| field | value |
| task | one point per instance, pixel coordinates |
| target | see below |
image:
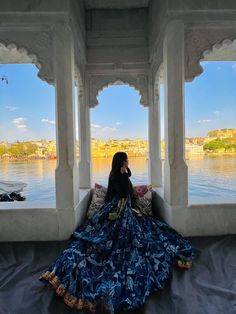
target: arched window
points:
(119, 124)
(211, 129)
(27, 137)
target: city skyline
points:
(222, 133)
(27, 106)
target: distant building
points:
(222, 133)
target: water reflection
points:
(38, 174)
(211, 178)
(101, 168)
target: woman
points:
(118, 255)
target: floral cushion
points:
(143, 199)
(98, 199)
(141, 190)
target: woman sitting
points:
(119, 255)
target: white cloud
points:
(11, 108)
(108, 129)
(96, 126)
(20, 123)
(204, 121)
(118, 123)
(217, 113)
(102, 131)
(48, 121)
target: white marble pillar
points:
(175, 170)
(66, 173)
(84, 145)
(155, 167)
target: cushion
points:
(143, 199)
(98, 199)
(141, 190)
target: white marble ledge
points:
(216, 207)
(40, 220)
(202, 202)
(216, 200)
(83, 193)
(27, 205)
(18, 205)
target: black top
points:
(119, 185)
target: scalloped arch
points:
(139, 83)
(23, 51)
(120, 82)
(200, 43)
(216, 46)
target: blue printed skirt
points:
(116, 259)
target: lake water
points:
(212, 179)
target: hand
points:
(123, 170)
(137, 211)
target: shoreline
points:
(191, 156)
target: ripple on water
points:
(210, 179)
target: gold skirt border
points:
(69, 300)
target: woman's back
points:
(119, 185)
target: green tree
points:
(29, 148)
(15, 150)
(214, 145)
(3, 149)
(22, 150)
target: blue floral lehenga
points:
(116, 258)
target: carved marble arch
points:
(98, 83)
(208, 44)
(11, 53)
(29, 47)
(224, 51)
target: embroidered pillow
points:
(144, 199)
(98, 199)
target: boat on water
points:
(7, 187)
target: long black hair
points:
(117, 162)
(118, 183)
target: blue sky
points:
(210, 100)
(119, 114)
(27, 105)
